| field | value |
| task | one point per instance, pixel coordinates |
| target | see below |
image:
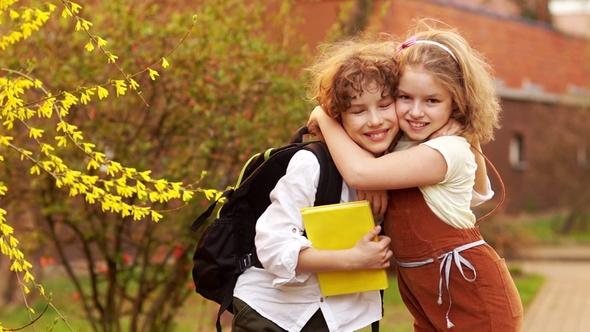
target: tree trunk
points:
(359, 17)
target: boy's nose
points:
(375, 119)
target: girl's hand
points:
(377, 198)
(316, 115)
(370, 255)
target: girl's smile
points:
(423, 105)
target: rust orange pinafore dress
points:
(477, 293)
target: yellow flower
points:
(89, 46)
(120, 87)
(35, 133)
(14, 14)
(102, 92)
(100, 42)
(153, 74)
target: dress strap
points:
(445, 266)
(415, 264)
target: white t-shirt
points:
(278, 292)
(451, 199)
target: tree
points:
(537, 10)
(358, 19)
(121, 130)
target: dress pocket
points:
(510, 289)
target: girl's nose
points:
(416, 111)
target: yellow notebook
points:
(340, 226)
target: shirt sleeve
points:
(461, 165)
(478, 199)
(451, 198)
(279, 230)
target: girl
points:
(435, 239)
(356, 80)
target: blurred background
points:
(235, 86)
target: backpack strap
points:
(227, 301)
(205, 215)
(375, 326)
(330, 182)
(298, 135)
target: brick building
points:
(543, 79)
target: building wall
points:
(553, 170)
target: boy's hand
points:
(371, 255)
(377, 198)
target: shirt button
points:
(321, 299)
(294, 230)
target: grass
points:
(547, 230)
(197, 312)
(64, 299)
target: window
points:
(582, 156)
(515, 152)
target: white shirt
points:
(278, 292)
(451, 199)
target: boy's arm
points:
(365, 255)
(279, 231)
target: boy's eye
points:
(386, 105)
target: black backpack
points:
(226, 248)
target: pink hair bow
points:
(406, 44)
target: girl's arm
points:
(377, 198)
(482, 188)
(418, 166)
(481, 176)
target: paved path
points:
(563, 303)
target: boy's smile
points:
(371, 121)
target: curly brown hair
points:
(351, 66)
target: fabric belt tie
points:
(446, 262)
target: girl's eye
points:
(432, 101)
(403, 97)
